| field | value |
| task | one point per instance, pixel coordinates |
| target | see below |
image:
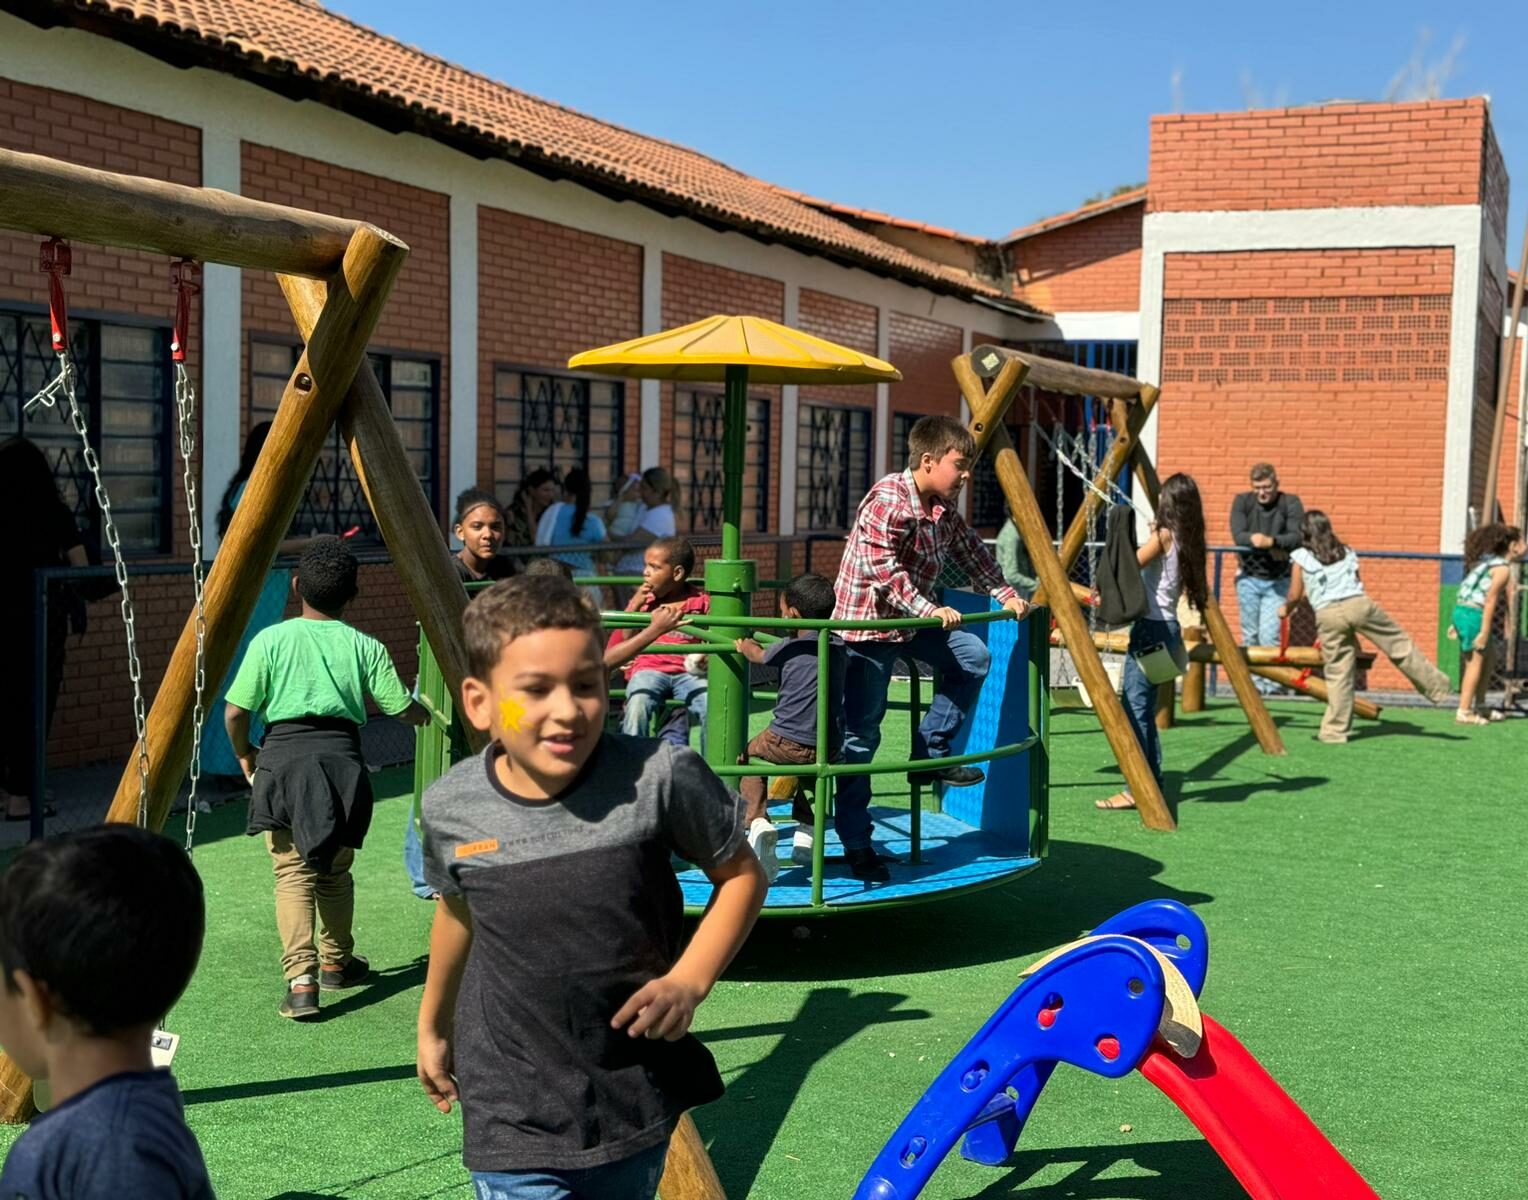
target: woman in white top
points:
(1327, 570)
(658, 492)
(1172, 562)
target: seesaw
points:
(1123, 999)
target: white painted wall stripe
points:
(650, 435)
(463, 400)
(789, 418)
(222, 337)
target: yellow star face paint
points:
(511, 713)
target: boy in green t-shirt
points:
(310, 793)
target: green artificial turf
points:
(1360, 903)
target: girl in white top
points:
(1327, 570)
(659, 493)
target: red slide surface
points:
(1274, 1149)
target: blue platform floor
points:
(955, 857)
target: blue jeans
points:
(1259, 600)
(646, 693)
(413, 859)
(634, 1178)
(960, 659)
(1141, 693)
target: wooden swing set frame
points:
(1130, 403)
(336, 275)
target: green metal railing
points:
(442, 742)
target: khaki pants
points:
(300, 893)
(1339, 625)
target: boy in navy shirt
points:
(792, 736)
(99, 933)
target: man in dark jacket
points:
(1265, 525)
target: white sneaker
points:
(801, 847)
(765, 840)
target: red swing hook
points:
(184, 274)
(55, 262)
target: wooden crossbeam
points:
(1053, 375)
(58, 199)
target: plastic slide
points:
(1271, 1146)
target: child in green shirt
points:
(311, 797)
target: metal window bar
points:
(697, 445)
(833, 464)
(551, 420)
(125, 393)
(335, 501)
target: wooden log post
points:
(408, 527)
(987, 408)
(308, 408)
(1312, 686)
(1167, 695)
(688, 1173)
(1194, 678)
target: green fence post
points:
(1039, 726)
(730, 581)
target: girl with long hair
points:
(1326, 570)
(479, 526)
(1172, 563)
(218, 757)
(522, 514)
(1488, 554)
(569, 522)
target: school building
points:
(1318, 287)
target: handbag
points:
(1162, 662)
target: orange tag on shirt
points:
(486, 846)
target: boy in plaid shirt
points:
(905, 528)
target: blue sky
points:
(977, 116)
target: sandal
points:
(1118, 802)
(1469, 718)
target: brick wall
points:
(545, 293)
(95, 705)
(922, 349)
(418, 314)
(1088, 266)
(694, 290)
(1321, 157)
(1334, 366)
(1494, 296)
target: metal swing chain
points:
(64, 385)
(182, 275)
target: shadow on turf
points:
(1163, 1171)
(1078, 886)
(760, 1096)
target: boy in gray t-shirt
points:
(558, 1002)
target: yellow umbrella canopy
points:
(702, 352)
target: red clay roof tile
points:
(265, 39)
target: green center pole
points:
(730, 581)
